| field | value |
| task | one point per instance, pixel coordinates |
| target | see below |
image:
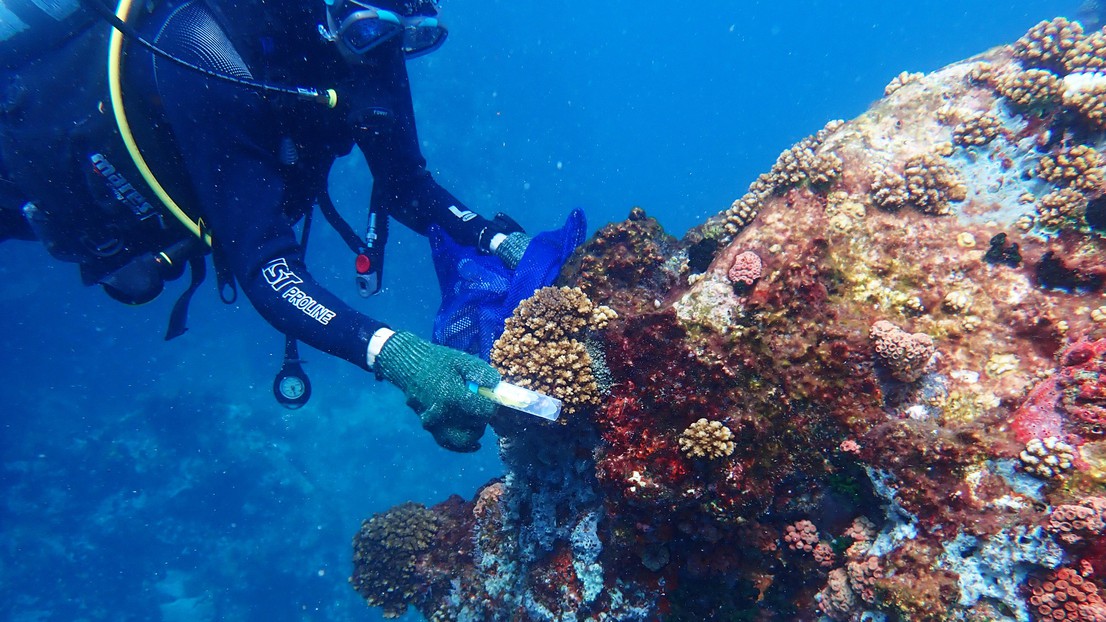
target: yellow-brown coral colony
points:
(1048, 43)
(931, 184)
(888, 189)
(1061, 209)
(385, 552)
(741, 213)
(900, 81)
(707, 439)
(1047, 458)
(1032, 87)
(805, 162)
(976, 130)
(1079, 167)
(1088, 98)
(1087, 54)
(542, 346)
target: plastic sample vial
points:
(521, 399)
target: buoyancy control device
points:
(30, 28)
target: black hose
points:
(325, 98)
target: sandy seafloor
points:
(145, 480)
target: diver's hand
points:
(510, 248)
(434, 379)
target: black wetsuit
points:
(256, 164)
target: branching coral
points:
(1082, 522)
(740, 214)
(825, 169)
(1079, 167)
(1030, 88)
(1086, 94)
(978, 129)
(1066, 595)
(1047, 43)
(900, 81)
(931, 184)
(888, 189)
(794, 166)
(1061, 209)
(1048, 459)
(982, 73)
(542, 349)
(906, 355)
(957, 301)
(802, 162)
(1087, 54)
(707, 439)
(386, 550)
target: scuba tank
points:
(30, 28)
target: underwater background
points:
(145, 480)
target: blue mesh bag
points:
(479, 293)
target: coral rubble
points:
(873, 388)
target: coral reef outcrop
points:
(915, 363)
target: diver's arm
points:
(401, 182)
(224, 135)
(258, 242)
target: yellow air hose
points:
(115, 55)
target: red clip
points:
(362, 264)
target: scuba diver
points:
(205, 142)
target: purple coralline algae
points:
(854, 426)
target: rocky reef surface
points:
(872, 389)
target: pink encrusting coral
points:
(907, 355)
(899, 332)
(747, 267)
(824, 555)
(1081, 522)
(1066, 595)
(801, 536)
(1070, 404)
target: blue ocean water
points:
(145, 480)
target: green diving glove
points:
(511, 248)
(434, 379)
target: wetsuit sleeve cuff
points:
(376, 342)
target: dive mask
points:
(360, 27)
